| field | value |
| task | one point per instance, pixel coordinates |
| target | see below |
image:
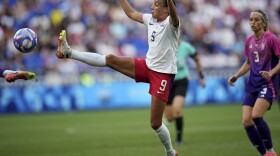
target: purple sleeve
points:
(275, 45)
(246, 49)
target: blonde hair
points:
(264, 18)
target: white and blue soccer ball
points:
(25, 40)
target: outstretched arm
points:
(130, 12)
(174, 19)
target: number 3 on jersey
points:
(257, 58)
(263, 92)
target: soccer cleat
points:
(179, 143)
(63, 49)
(19, 75)
(171, 153)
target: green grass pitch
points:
(213, 130)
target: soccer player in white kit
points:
(159, 67)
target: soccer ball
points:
(25, 40)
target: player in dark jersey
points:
(176, 99)
(11, 75)
(262, 50)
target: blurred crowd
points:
(217, 28)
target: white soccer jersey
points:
(163, 39)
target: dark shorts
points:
(266, 93)
(160, 83)
(179, 87)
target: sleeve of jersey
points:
(246, 49)
(172, 26)
(191, 50)
(275, 45)
(146, 19)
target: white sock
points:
(8, 72)
(89, 58)
(270, 150)
(164, 137)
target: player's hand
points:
(231, 80)
(266, 75)
(202, 83)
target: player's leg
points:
(11, 75)
(168, 113)
(168, 116)
(157, 110)
(251, 130)
(261, 106)
(124, 65)
(160, 85)
(177, 108)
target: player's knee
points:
(177, 113)
(169, 118)
(247, 122)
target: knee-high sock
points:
(93, 59)
(179, 128)
(255, 138)
(264, 131)
(164, 137)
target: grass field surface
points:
(213, 130)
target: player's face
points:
(256, 22)
(158, 9)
